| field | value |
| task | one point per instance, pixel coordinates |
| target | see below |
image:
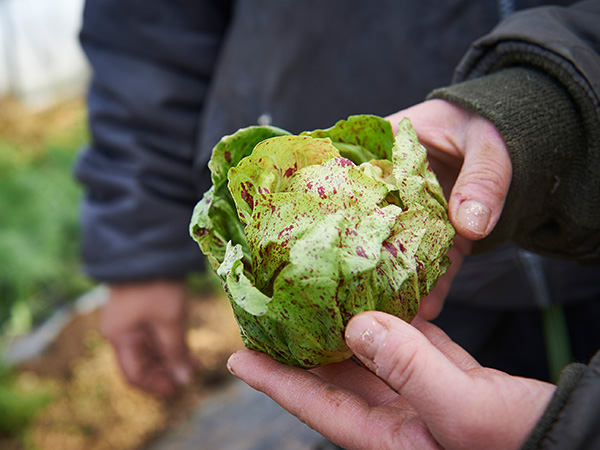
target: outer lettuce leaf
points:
(271, 167)
(312, 230)
(215, 220)
(360, 138)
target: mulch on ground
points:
(93, 407)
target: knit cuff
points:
(569, 378)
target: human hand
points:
(419, 390)
(145, 323)
(472, 164)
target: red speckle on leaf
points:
(285, 230)
(247, 197)
(321, 191)
(199, 232)
(361, 252)
(344, 162)
(390, 248)
(290, 171)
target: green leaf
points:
(364, 137)
(271, 166)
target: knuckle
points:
(487, 178)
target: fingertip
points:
(430, 309)
(232, 362)
(367, 334)
(362, 321)
(246, 362)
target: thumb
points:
(480, 190)
(409, 363)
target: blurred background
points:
(60, 387)
(42, 124)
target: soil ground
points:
(93, 407)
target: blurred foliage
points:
(19, 403)
(39, 208)
(73, 395)
(205, 283)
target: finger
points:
(313, 400)
(452, 134)
(478, 196)
(140, 365)
(336, 413)
(431, 305)
(170, 337)
(403, 357)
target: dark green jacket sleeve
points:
(572, 419)
(537, 78)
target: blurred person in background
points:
(171, 77)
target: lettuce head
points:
(305, 231)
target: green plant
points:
(18, 406)
(40, 228)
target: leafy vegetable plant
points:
(306, 231)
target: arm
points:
(537, 79)
(420, 390)
(572, 419)
(529, 90)
(151, 64)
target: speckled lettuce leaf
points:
(361, 138)
(215, 219)
(313, 229)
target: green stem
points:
(558, 345)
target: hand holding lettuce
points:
(307, 231)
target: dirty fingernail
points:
(473, 216)
(364, 336)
